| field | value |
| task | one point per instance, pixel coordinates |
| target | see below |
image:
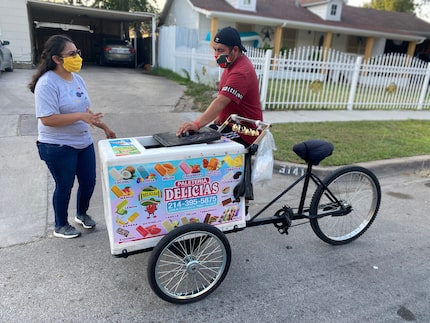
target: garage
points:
(88, 27)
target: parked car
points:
(6, 59)
(117, 51)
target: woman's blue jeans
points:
(65, 163)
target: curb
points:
(380, 167)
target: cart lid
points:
(204, 135)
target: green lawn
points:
(356, 141)
(283, 95)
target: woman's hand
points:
(93, 119)
(109, 133)
(100, 124)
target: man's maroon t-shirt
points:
(239, 83)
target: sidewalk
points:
(342, 115)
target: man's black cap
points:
(230, 37)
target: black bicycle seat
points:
(313, 151)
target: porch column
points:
(328, 38)
(411, 48)
(370, 42)
(277, 45)
(277, 40)
(214, 29)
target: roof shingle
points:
(352, 17)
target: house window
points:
(355, 45)
(333, 10)
(289, 38)
(244, 27)
(246, 2)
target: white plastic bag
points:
(262, 169)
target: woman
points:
(64, 139)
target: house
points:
(27, 24)
(283, 24)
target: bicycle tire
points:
(360, 193)
(189, 263)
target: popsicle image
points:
(168, 225)
(232, 213)
(228, 176)
(116, 175)
(185, 167)
(229, 160)
(120, 207)
(142, 171)
(122, 204)
(160, 169)
(120, 220)
(207, 217)
(133, 217)
(117, 191)
(123, 232)
(142, 231)
(170, 169)
(238, 161)
(213, 164)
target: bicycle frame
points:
(282, 218)
(284, 222)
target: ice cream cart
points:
(150, 189)
(177, 196)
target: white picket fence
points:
(314, 78)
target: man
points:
(238, 91)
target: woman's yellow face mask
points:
(72, 63)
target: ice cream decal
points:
(151, 199)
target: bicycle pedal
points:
(285, 216)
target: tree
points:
(392, 5)
(126, 5)
(122, 5)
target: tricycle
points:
(191, 259)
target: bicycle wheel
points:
(189, 263)
(344, 210)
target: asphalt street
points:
(384, 276)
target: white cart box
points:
(149, 190)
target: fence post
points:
(424, 88)
(265, 83)
(193, 65)
(354, 82)
(172, 43)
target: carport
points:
(87, 27)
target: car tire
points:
(10, 69)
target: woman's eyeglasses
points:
(73, 53)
